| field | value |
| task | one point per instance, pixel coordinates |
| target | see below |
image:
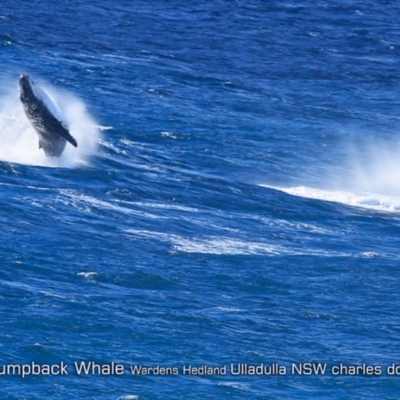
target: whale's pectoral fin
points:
(63, 132)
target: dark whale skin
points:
(53, 136)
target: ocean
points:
(227, 227)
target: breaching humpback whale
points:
(53, 135)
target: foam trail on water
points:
(19, 141)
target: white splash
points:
(376, 168)
(19, 141)
(367, 177)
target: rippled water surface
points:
(233, 202)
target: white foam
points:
(235, 385)
(112, 147)
(168, 134)
(356, 199)
(230, 309)
(87, 275)
(274, 222)
(89, 204)
(166, 206)
(220, 245)
(50, 294)
(129, 397)
(19, 141)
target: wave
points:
(373, 201)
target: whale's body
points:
(53, 135)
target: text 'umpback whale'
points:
(53, 135)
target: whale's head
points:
(25, 87)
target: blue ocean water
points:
(234, 200)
